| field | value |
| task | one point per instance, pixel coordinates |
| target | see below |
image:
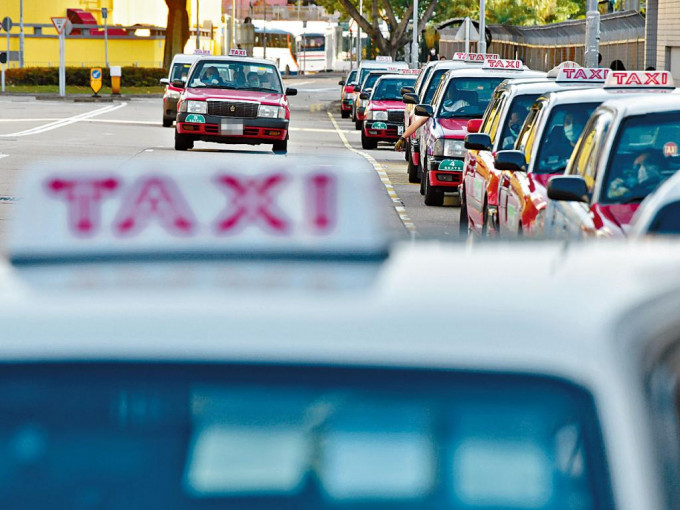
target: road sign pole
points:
(106, 42)
(21, 33)
(592, 42)
(467, 35)
(62, 64)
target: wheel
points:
(485, 219)
(432, 197)
(183, 142)
(167, 122)
(412, 171)
(358, 124)
(354, 114)
(281, 146)
(463, 227)
(420, 170)
(367, 143)
(344, 114)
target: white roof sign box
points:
(295, 206)
(383, 58)
(640, 79)
(235, 52)
(503, 64)
(474, 57)
(582, 75)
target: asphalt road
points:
(33, 131)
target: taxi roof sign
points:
(582, 75)
(383, 58)
(503, 64)
(474, 57)
(640, 80)
(237, 52)
(409, 71)
(199, 51)
(567, 64)
(102, 211)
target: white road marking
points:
(28, 120)
(384, 178)
(65, 122)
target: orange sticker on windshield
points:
(670, 149)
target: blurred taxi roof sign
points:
(640, 80)
(199, 51)
(503, 64)
(293, 207)
(474, 57)
(383, 58)
(567, 64)
(582, 75)
(236, 52)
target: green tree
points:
(177, 31)
(508, 12)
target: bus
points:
(312, 53)
(280, 49)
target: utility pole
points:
(361, 12)
(198, 29)
(105, 15)
(21, 33)
(592, 43)
(414, 42)
(264, 33)
(233, 24)
(481, 45)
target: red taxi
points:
(628, 148)
(385, 109)
(501, 127)
(463, 94)
(347, 85)
(233, 100)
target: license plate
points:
(400, 130)
(231, 127)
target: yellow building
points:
(142, 47)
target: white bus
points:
(280, 48)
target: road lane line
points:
(64, 122)
(384, 178)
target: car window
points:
(644, 154)
(422, 78)
(370, 80)
(279, 436)
(586, 154)
(389, 89)
(667, 220)
(351, 78)
(236, 75)
(492, 111)
(517, 113)
(434, 83)
(467, 97)
(179, 72)
(527, 135)
(561, 132)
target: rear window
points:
(119, 436)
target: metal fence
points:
(542, 47)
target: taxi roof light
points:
(504, 64)
(567, 64)
(640, 80)
(300, 206)
(581, 75)
(474, 57)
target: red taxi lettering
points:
(154, 198)
(322, 188)
(83, 198)
(252, 202)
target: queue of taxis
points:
(235, 100)
(384, 108)
(462, 95)
(498, 131)
(424, 92)
(628, 148)
(382, 63)
(178, 342)
(347, 87)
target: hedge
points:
(131, 76)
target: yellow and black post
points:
(96, 80)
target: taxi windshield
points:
(352, 77)
(519, 109)
(561, 132)
(179, 72)
(370, 80)
(433, 84)
(390, 89)
(236, 75)
(199, 436)
(644, 155)
(467, 97)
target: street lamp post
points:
(21, 33)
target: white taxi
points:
(232, 338)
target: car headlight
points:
(454, 148)
(196, 106)
(379, 115)
(173, 94)
(270, 112)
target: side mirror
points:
(363, 95)
(341, 82)
(474, 125)
(407, 90)
(571, 188)
(165, 81)
(423, 110)
(291, 92)
(180, 84)
(478, 142)
(410, 98)
(514, 161)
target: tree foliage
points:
(177, 31)
(513, 12)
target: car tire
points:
(354, 114)
(167, 122)
(420, 171)
(367, 143)
(358, 124)
(280, 147)
(344, 114)
(183, 142)
(412, 171)
(432, 197)
(463, 225)
(485, 219)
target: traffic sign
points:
(59, 24)
(7, 24)
(105, 13)
(96, 79)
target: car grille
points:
(232, 109)
(395, 115)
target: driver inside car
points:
(457, 100)
(642, 179)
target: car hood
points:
(618, 214)
(235, 95)
(387, 105)
(453, 128)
